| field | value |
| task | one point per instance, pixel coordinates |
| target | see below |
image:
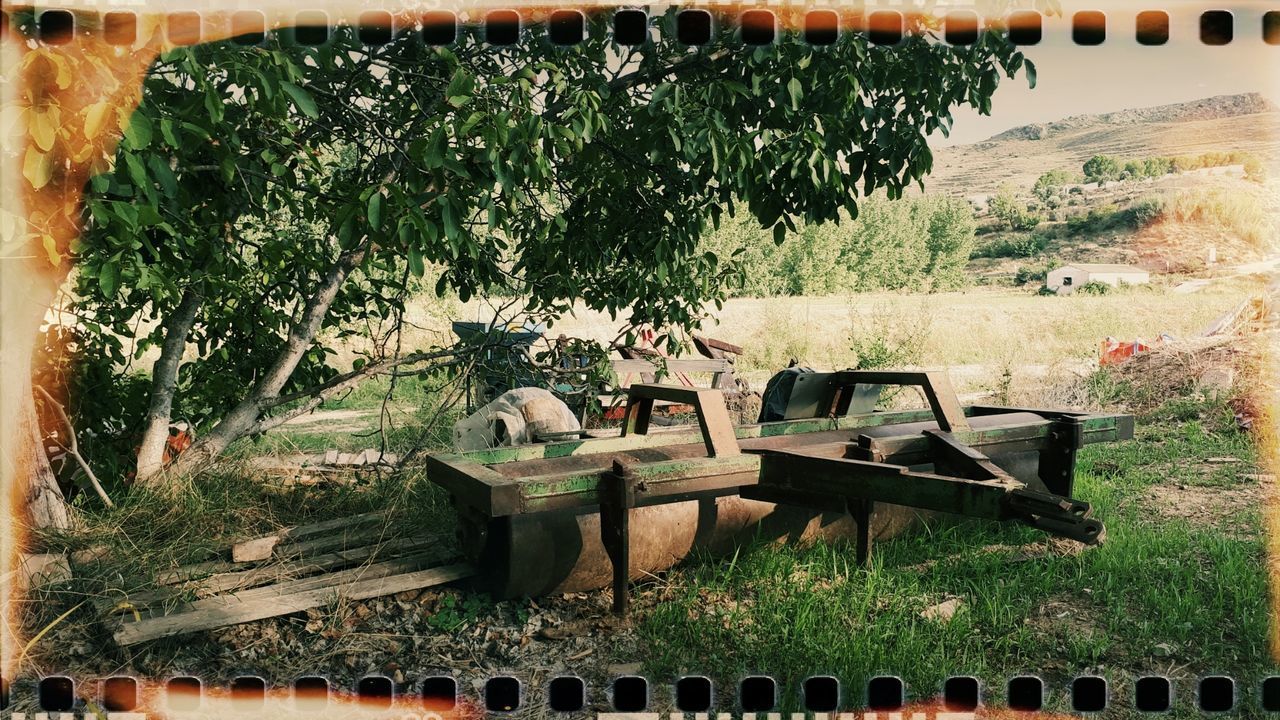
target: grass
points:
(1162, 595)
(973, 327)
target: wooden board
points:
(267, 574)
(272, 601)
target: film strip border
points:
(634, 26)
(756, 694)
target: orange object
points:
(1115, 352)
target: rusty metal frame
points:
(844, 469)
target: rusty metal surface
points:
(562, 552)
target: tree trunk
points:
(243, 418)
(46, 504)
(164, 381)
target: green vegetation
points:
(1013, 246)
(915, 243)
(1171, 584)
(534, 173)
(1103, 168)
(1011, 212)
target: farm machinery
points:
(603, 508)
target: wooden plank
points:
(274, 573)
(674, 366)
(254, 550)
(343, 539)
(232, 610)
(719, 344)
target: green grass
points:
(1194, 589)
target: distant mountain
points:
(1212, 108)
(1248, 123)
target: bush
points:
(1093, 287)
(1254, 170)
(1023, 246)
(1147, 210)
(1012, 212)
(884, 341)
(1099, 219)
(919, 243)
(1034, 273)
(1101, 168)
(1048, 186)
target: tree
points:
(1049, 186)
(1101, 168)
(1011, 211)
(265, 195)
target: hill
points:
(1247, 122)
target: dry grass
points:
(980, 335)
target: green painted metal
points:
(471, 479)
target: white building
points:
(1067, 278)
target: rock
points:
(1216, 381)
(942, 611)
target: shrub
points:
(1101, 168)
(1099, 219)
(1147, 210)
(1254, 170)
(882, 340)
(1034, 273)
(1049, 186)
(1022, 246)
(918, 243)
(1012, 212)
(1093, 287)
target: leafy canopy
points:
(550, 173)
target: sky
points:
(1121, 74)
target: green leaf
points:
(795, 91)
(139, 131)
(108, 276)
(416, 265)
(779, 233)
(166, 131)
(301, 98)
(375, 211)
(661, 92)
(1031, 74)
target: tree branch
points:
(74, 449)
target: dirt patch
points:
(1209, 505)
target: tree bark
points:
(243, 418)
(164, 381)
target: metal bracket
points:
(617, 497)
(935, 384)
(713, 418)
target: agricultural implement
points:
(586, 512)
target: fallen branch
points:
(74, 450)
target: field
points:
(1176, 590)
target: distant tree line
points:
(1104, 168)
(916, 244)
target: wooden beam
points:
(266, 574)
(674, 366)
(272, 602)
